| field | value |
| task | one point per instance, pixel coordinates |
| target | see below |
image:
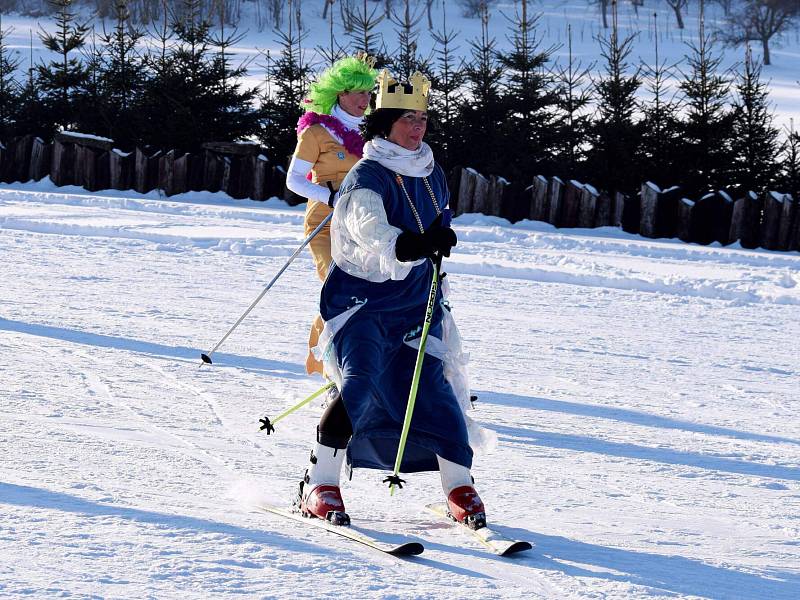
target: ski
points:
(403, 549)
(494, 540)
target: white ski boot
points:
(463, 502)
(320, 495)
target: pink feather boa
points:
(351, 140)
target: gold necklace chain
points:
(411, 204)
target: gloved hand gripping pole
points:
(207, 356)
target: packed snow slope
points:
(644, 396)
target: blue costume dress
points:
(375, 362)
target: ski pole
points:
(268, 425)
(394, 478)
(207, 356)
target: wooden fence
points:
(771, 221)
(240, 170)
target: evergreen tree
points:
(91, 113)
(236, 116)
(480, 143)
(31, 114)
(529, 99)
(573, 97)
(789, 176)
(704, 152)
(660, 135)
(62, 80)
(123, 79)
(334, 50)
(287, 79)
(447, 77)
(405, 61)
(9, 89)
(754, 139)
(363, 31)
(194, 95)
(616, 137)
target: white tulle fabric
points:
(363, 241)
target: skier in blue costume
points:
(386, 230)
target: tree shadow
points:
(580, 443)
(624, 415)
(73, 336)
(665, 573)
(27, 496)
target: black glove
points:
(412, 246)
(436, 239)
(441, 239)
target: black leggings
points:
(334, 429)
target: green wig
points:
(345, 75)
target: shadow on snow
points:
(580, 443)
(33, 497)
(248, 363)
(624, 415)
(672, 574)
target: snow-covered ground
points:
(644, 394)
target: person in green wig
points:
(328, 145)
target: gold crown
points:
(399, 98)
(366, 59)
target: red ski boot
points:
(320, 496)
(325, 502)
(466, 507)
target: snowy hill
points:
(643, 393)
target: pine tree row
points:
(512, 113)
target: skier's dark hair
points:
(378, 123)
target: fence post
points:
(466, 191)
(166, 171)
(685, 221)
(648, 209)
(603, 211)
(23, 146)
(770, 225)
(570, 204)
(539, 206)
(588, 206)
(746, 221)
(788, 217)
(555, 191)
(479, 197)
(39, 166)
(119, 166)
(63, 165)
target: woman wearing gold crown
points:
(328, 145)
(386, 229)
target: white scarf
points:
(412, 163)
(345, 117)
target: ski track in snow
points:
(643, 393)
